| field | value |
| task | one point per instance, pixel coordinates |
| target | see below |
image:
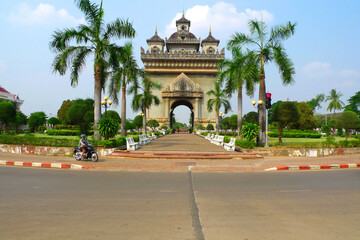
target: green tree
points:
(153, 124)
(93, 38)
(210, 127)
(241, 70)
(61, 113)
(143, 101)
(307, 120)
(36, 120)
(233, 122)
(267, 49)
(54, 121)
(225, 124)
(251, 117)
(348, 120)
(7, 113)
(108, 128)
(354, 103)
(316, 102)
(113, 115)
(285, 113)
(19, 120)
(81, 114)
(335, 102)
(219, 99)
(126, 72)
(138, 122)
(129, 125)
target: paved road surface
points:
(64, 204)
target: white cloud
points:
(318, 70)
(224, 18)
(350, 73)
(43, 13)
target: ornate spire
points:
(156, 29)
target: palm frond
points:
(119, 28)
(284, 63)
(91, 10)
(282, 32)
(78, 64)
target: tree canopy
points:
(348, 120)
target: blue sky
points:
(325, 48)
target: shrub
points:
(108, 128)
(226, 139)
(210, 127)
(164, 127)
(296, 134)
(245, 144)
(41, 128)
(204, 134)
(200, 127)
(250, 131)
(29, 139)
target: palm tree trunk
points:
(217, 122)
(97, 101)
(239, 112)
(123, 110)
(261, 107)
(144, 120)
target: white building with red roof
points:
(5, 95)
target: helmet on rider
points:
(83, 135)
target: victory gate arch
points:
(185, 72)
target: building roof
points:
(182, 20)
(4, 90)
(210, 39)
(155, 38)
(176, 36)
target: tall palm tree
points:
(219, 99)
(241, 70)
(72, 47)
(126, 71)
(267, 48)
(143, 101)
(335, 102)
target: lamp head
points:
(106, 98)
(110, 102)
(103, 102)
(261, 102)
(253, 102)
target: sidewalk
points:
(109, 163)
(186, 143)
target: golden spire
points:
(156, 29)
(210, 29)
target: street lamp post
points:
(106, 104)
(260, 103)
(142, 115)
(221, 115)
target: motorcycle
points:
(89, 154)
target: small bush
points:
(245, 144)
(204, 134)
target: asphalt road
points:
(65, 204)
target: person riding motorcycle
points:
(83, 144)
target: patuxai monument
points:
(186, 67)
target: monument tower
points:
(186, 67)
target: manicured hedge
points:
(65, 132)
(244, 144)
(295, 134)
(35, 141)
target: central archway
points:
(182, 102)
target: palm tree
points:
(126, 71)
(335, 102)
(143, 101)
(72, 47)
(268, 48)
(241, 70)
(220, 99)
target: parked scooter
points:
(89, 154)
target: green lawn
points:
(300, 141)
